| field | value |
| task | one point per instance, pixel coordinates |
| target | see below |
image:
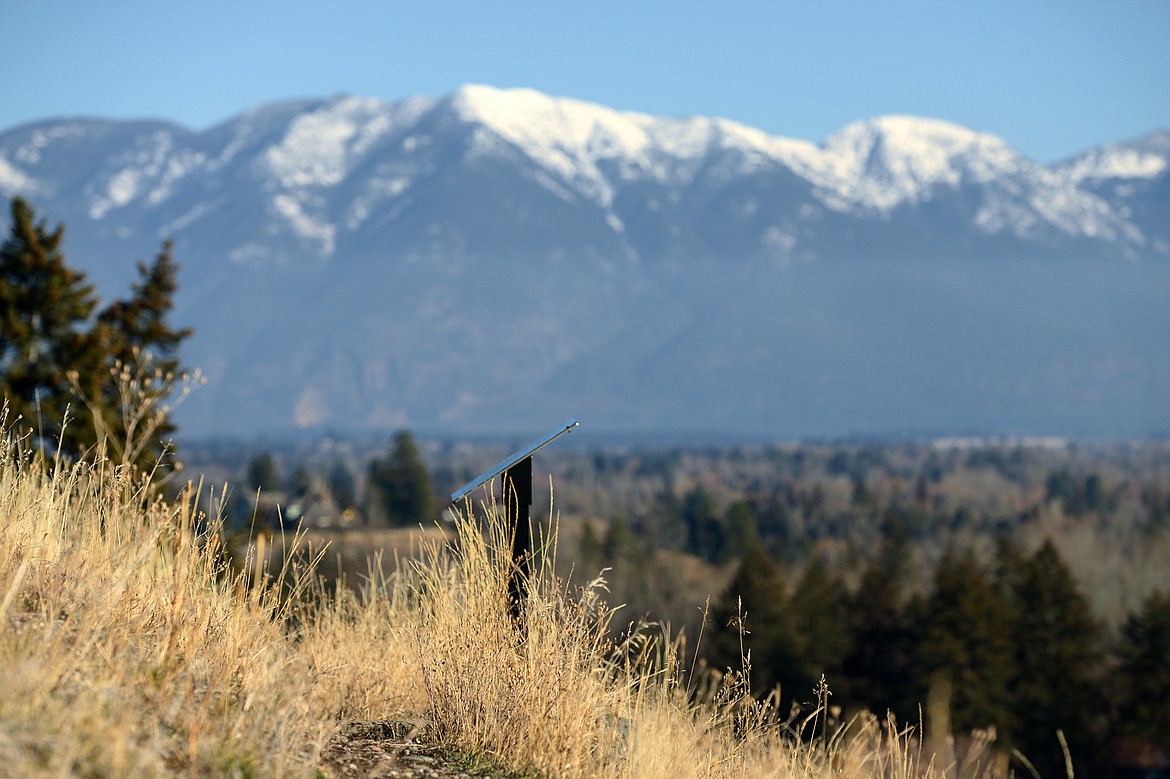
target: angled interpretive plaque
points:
(515, 472)
(512, 460)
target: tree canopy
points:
(1144, 672)
(85, 382)
(400, 490)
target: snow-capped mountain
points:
(1134, 179)
(465, 262)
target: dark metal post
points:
(516, 469)
(517, 488)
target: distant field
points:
(353, 555)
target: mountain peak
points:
(1139, 158)
(909, 129)
(922, 148)
(537, 122)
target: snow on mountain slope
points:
(13, 179)
(1144, 158)
(887, 161)
(318, 170)
(148, 170)
(320, 147)
(562, 131)
(319, 150)
(872, 166)
(1133, 177)
(876, 164)
(571, 139)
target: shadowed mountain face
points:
(494, 259)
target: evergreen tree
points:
(400, 485)
(1011, 564)
(342, 486)
(301, 482)
(752, 616)
(881, 664)
(663, 525)
(140, 322)
(1056, 655)
(1062, 487)
(135, 334)
(589, 546)
(262, 473)
(967, 640)
(54, 354)
(620, 542)
(705, 534)
(820, 616)
(1143, 673)
(743, 532)
(44, 309)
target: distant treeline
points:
(945, 583)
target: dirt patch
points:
(394, 749)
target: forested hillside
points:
(990, 585)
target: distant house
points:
(314, 508)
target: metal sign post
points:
(517, 487)
(516, 470)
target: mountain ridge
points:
(349, 261)
(868, 167)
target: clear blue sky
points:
(1052, 77)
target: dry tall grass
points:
(128, 648)
(550, 696)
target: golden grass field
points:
(131, 647)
